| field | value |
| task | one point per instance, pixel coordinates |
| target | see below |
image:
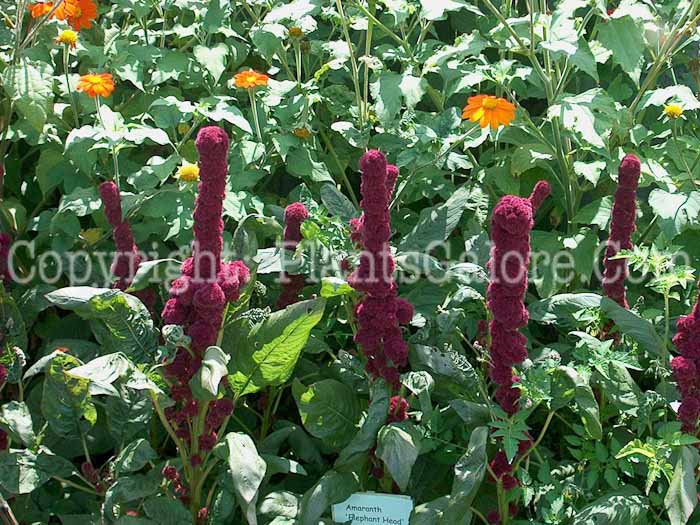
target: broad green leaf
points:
(633, 326)
(16, 419)
(30, 85)
(246, 467)
(398, 449)
(365, 439)
(337, 203)
(682, 496)
(205, 385)
(624, 38)
(120, 322)
(24, 471)
(148, 271)
(333, 487)
(134, 457)
(328, 410)
(677, 211)
(212, 59)
(335, 287)
(438, 9)
(469, 474)
(562, 306)
(65, 401)
(621, 507)
(273, 347)
(166, 510)
(301, 163)
(436, 224)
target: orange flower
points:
(96, 84)
(489, 110)
(81, 13)
(302, 133)
(250, 79)
(40, 9)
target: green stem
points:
(73, 102)
(254, 108)
(115, 160)
(353, 62)
(77, 486)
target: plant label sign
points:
(365, 508)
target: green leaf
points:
(337, 203)
(16, 420)
(398, 449)
(166, 510)
(120, 322)
(273, 347)
(212, 59)
(529, 156)
(328, 410)
(436, 224)
(134, 457)
(24, 471)
(438, 9)
(30, 85)
(625, 39)
(333, 487)
(205, 385)
(335, 287)
(682, 496)
(568, 385)
(562, 306)
(66, 399)
(149, 270)
(301, 163)
(364, 440)
(677, 211)
(633, 326)
(621, 507)
(469, 474)
(247, 469)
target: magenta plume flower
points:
(686, 366)
(294, 216)
(127, 257)
(380, 312)
(511, 223)
(622, 225)
(199, 296)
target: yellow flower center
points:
(68, 37)
(673, 111)
(78, 12)
(188, 173)
(490, 103)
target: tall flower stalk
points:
(686, 368)
(622, 225)
(381, 312)
(294, 216)
(511, 223)
(198, 301)
(127, 257)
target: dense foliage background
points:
(591, 81)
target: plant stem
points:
(73, 102)
(256, 120)
(353, 62)
(76, 486)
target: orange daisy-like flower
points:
(40, 9)
(250, 79)
(489, 110)
(80, 13)
(96, 84)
